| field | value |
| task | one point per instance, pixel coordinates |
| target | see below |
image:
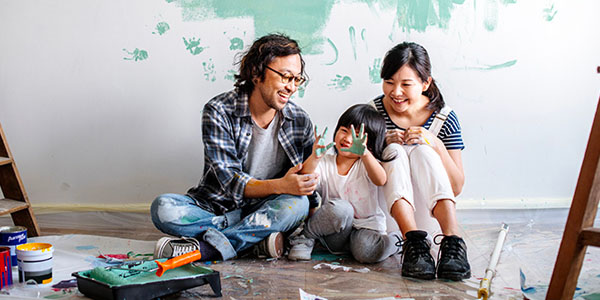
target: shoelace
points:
(180, 248)
(415, 249)
(450, 247)
(399, 244)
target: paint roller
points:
(172, 263)
(490, 272)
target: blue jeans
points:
(179, 215)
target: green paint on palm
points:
(358, 146)
(302, 20)
(136, 54)
(161, 28)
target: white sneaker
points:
(301, 248)
(168, 247)
(271, 246)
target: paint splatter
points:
(549, 13)
(136, 54)
(363, 34)
(352, 33)
(375, 71)
(209, 70)
(507, 64)
(236, 44)
(334, 50)
(490, 15)
(418, 15)
(161, 28)
(193, 45)
(340, 82)
(230, 75)
(189, 219)
(305, 22)
(86, 247)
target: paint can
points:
(5, 267)
(12, 236)
(35, 262)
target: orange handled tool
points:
(177, 261)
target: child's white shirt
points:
(356, 187)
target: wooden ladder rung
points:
(5, 160)
(590, 236)
(8, 206)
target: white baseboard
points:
(500, 203)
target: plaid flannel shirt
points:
(226, 133)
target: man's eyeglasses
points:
(286, 78)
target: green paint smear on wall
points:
(337, 54)
(595, 296)
(507, 64)
(549, 13)
(301, 20)
(136, 54)
(161, 28)
(236, 44)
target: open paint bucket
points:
(35, 262)
(5, 267)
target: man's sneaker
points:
(271, 246)
(301, 248)
(452, 259)
(168, 247)
(417, 262)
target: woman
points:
(428, 165)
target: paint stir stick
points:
(490, 272)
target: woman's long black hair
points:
(374, 127)
(416, 57)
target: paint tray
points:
(133, 282)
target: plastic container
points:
(5, 267)
(35, 262)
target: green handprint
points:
(321, 142)
(359, 141)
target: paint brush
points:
(490, 272)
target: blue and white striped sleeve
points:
(451, 133)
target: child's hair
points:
(374, 127)
(416, 57)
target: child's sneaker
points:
(452, 262)
(271, 246)
(417, 262)
(168, 247)
(301, 248)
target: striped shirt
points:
(226, 134)
(450, 134)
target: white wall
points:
(88, 126)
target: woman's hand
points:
(418, 135)
(394, 136)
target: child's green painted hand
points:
(319, 148)
(359, 142)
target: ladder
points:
(579, 231)
(15, 201)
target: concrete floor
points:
(530, 248)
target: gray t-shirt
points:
(265, 154)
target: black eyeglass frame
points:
(285, 78)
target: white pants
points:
(417, 175)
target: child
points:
(350, 219)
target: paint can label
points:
(12, 236)
(5, 267)
(35, 262)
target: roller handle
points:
(177, 261)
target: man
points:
(255, 140)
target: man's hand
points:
(298, 184)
